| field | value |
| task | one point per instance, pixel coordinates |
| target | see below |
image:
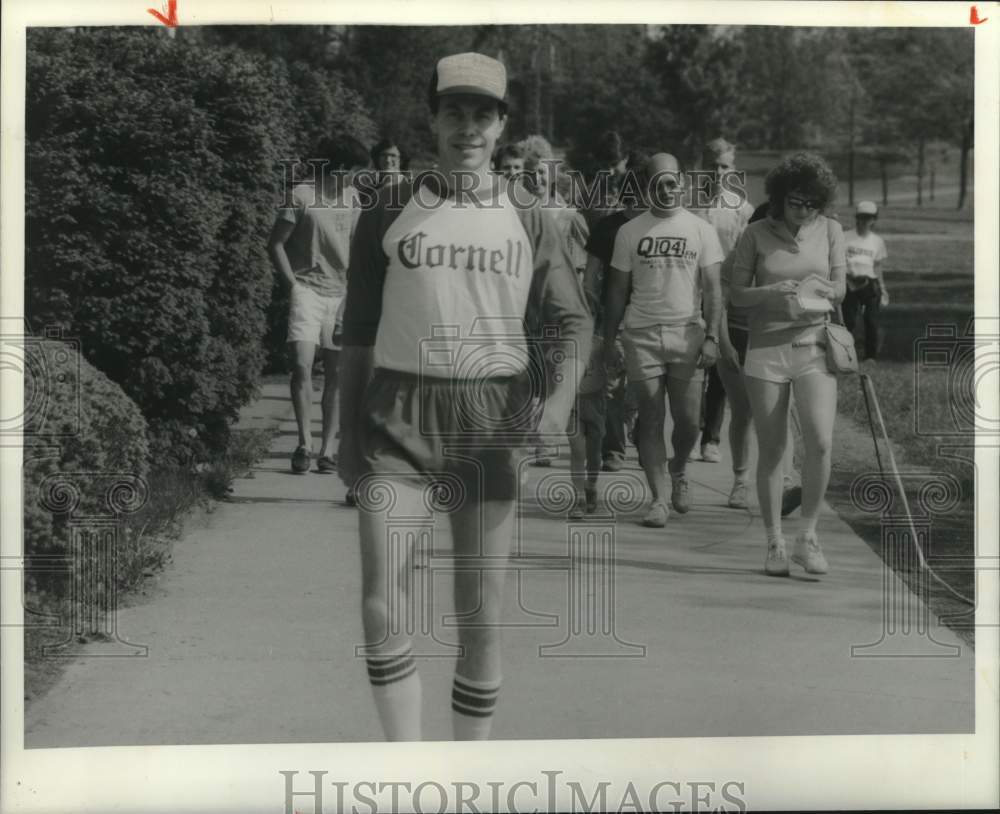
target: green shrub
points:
(84, 438)
(152, 176)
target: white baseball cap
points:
(471, 73)
(866, 208)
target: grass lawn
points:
(930, 279)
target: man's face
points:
(721, 165)
(388, 160)
(467, 127)
(666, 192)
(511, 166)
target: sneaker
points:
(591, 500)
(612, 464)
(657, 515)
(710, 453)
(791, 499)
(300, 460)
(679, 496)
(693, 456)
(738, 496)
(326, 465)
(776, 563)
(543, 457)
(576, 513)
(808, 554)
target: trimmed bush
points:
(83, 436)
(152, 178)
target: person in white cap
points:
(866, 291)
(454, 277)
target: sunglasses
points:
(802, 203)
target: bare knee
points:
(375, 618)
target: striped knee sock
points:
(396, 687)
(472, 706)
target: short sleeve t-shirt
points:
(664, 257)
(455, 291)
(768, 253)
(863, 253)
(729, 217)
(319, 246)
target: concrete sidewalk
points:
(251, 632)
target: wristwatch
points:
(715, 339)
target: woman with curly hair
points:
(786, 354)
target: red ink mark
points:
(171, 18)
(974, 17)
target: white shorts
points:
(786, 363)
(314, 318)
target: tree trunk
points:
(884, 167)
(963, 161)
(920, 172)
(850, 153)
(932, 182)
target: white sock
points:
(472, 707)
(396, 687)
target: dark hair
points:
(433, 99)
(343, 152)
(381, 146)
(610, 150)
(806, 172)
(512, 149)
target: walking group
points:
(471, 316)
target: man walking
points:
(436, 263)
(309, 247)
(665, 262)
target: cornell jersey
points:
(447, 290)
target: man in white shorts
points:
(310, 249)
(665, 262)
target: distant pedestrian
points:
(866, 291)
(509, 160)
(785, 352)
(728, 210)
(309, 247)
(387, 159)
(619, 403)
(666, 261)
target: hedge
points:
(152, 177)
(84, 442)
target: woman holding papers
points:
(788, 272)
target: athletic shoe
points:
(543, 457)
(710, 453)
(791, 499)
(576, 513)
(808, 553)
(738, 496)
(300, 460)
(326, 465)
(679, 496)
(693, 456)
(657, 515)
(591, 500)
(776, 563)
(612, 464)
